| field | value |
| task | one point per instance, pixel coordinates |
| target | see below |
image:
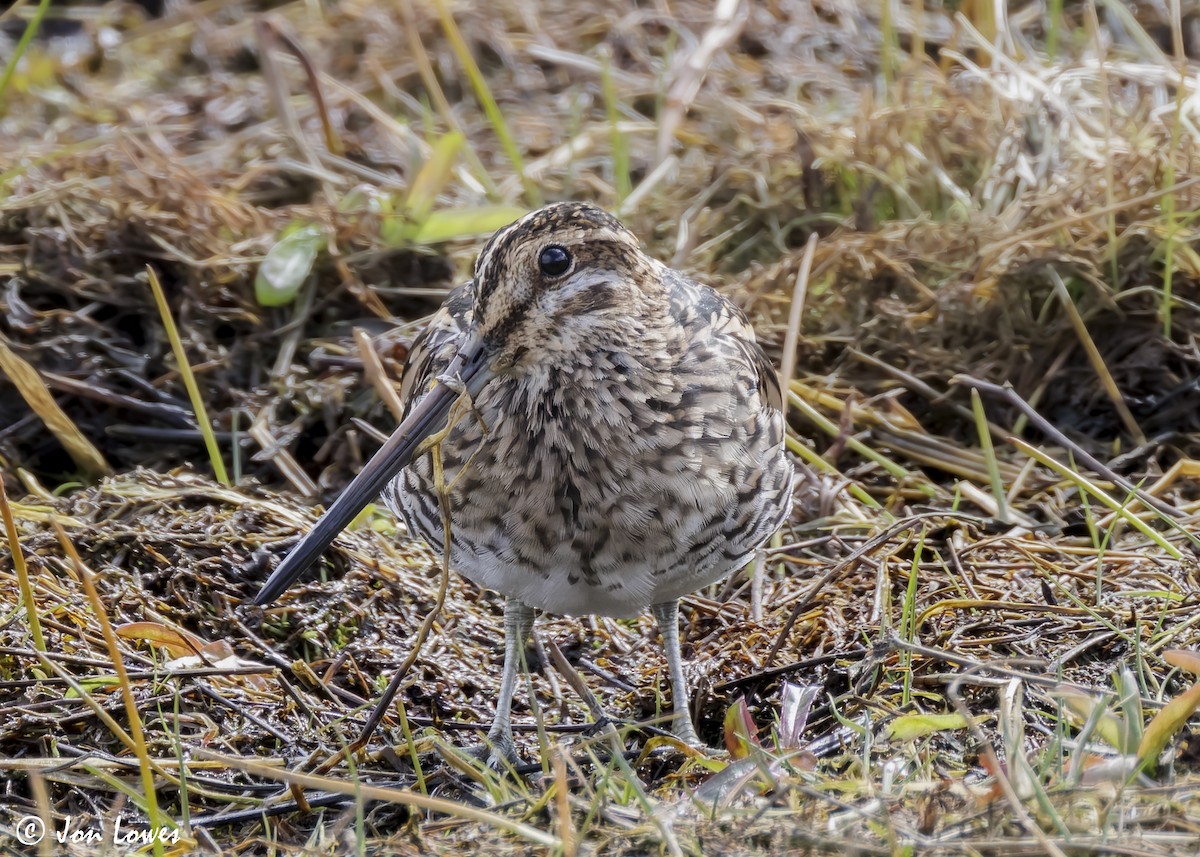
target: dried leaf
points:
(1166, 723)
(175, 642)
(33, 389)
(1114, 770)
(1110, 728)
(741, 734)
(1184, 659)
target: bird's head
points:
(559, 280)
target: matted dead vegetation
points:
(957, 646)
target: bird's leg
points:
(518, 622)
(667, 616)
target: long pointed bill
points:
(428, 417)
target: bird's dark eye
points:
(554, 261)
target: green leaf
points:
(909, 727)
(358, 199)
(1129, 700)
(402, 222)
(465, 223)
(288, 264)
(93, 682)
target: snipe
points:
(620, 443)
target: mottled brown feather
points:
(634, 449)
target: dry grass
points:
(988, 209)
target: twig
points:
(376, 377)
(271, 33)
(728, 18)
(364, 791)
(1096, 358)
(912, 382)
(1043, 425)
(279, 456)
(846, 565)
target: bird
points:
(604, 435)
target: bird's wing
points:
(698, 305)
(770, 390)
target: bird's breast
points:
(599, 491)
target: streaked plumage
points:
(625, 445)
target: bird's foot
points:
(497, 752)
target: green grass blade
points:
(189, 379)
(490, 108)
(31, 29)
(1085, 484)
